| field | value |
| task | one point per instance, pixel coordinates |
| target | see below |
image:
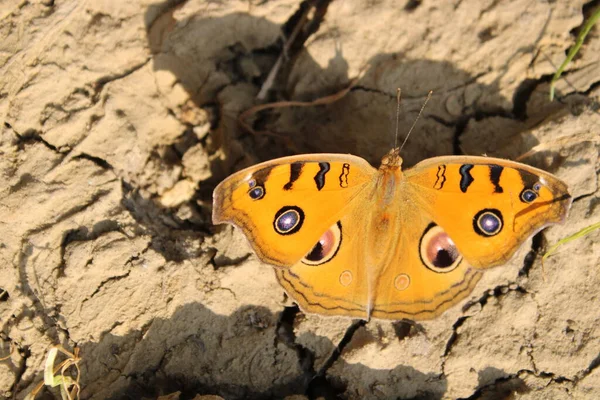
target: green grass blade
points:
(580, 38)
(574, 236)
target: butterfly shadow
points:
(248, 355)
(245, 355)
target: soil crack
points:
(106, 282)
(100, 82)
(33, 136)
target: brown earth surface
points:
(119, 118)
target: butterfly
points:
(348, 239)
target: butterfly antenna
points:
(416, 119)
(398, 96)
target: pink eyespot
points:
(326, 248)
(438, 251)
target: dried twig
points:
(243, 117)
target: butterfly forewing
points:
(488, 206)
(284, 206)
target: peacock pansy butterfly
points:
(348, 239)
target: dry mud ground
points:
(119, 118)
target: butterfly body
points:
(348, 239)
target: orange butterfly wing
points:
(456, 192)
(314, 189)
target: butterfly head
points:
(392, 160)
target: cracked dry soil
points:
(119, 118)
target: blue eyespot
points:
(488, 222)
(257, 193)
(528, 195)
(288, 220)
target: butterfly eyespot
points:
(488, 222)
(326, 248)
(438, 251)
(257, 193)
(528, 195)
(537, 187)
(288, 220)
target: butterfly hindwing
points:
(335, 280)
(415, 283)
